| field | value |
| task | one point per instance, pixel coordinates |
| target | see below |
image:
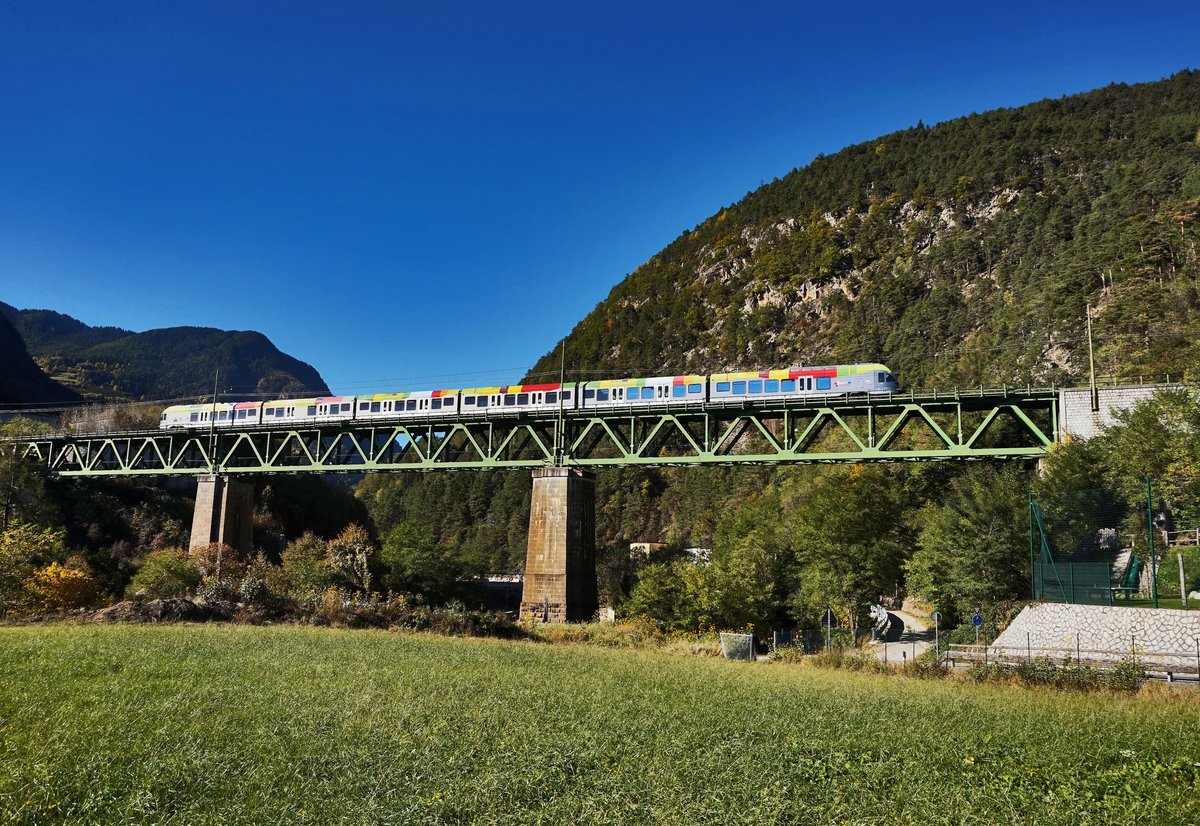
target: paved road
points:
(908, 637)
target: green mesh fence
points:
(1137, 542)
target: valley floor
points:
(236, 724)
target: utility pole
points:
(560, 439)
(1150, 536)
(212, 423)
(1092, 363)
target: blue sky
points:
(432, 194)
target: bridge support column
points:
(560, 565)
(224, 513)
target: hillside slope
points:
(109, 363)
(959, 254)
(21, 380)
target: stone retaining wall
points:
(1076, 419)
(1109, 628)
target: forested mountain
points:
(958, 254)
(108, 363)
(21, 380)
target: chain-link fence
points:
(1100, 547)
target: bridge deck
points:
(984, 424)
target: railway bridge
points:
(561, 449)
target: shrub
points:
(305, 572)
(61, 587)
(350, 555)
(22, 547)
(220, 562)
(253, 590)
(165, 574)
(212, 589)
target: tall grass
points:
(235, 724)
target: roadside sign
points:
(975, 610)
(977, 620)
(936, 616)
(829, 617)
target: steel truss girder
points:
(893, 429)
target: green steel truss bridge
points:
(983, 424)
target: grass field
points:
(225, 724)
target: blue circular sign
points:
(977, 620)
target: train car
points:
(794, 382)
(247, 414)
(517, 398)
(308, 411)
(197, 415)
(417, 403)
(612, 393)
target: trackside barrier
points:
(1167, 665)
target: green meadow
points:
(233, 724)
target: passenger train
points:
(610, 394)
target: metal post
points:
(1150, 528)
(1028, 647)
(560, 441)
(1182, 581)
(1032, 578)
(1092, 363)
(212, 423)
(1077, 657)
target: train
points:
(610, 394)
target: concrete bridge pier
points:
(560, 565)
(224, 513)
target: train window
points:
(602, 395)
(566, 395)
(375, 407)
(678, 391)
(788, 385)
(589, 394)
(722, 387)
(483, 401)
(364, 405)
(510, 398)
(883, 377)
(195, 417)
(694, 389)
(468, 400)
(552, 396)
(435, 404)
(823, 383)
(771, 385)
(756, 386)
(522, 398)
(222, 416)
(739, 387)
(346, 407)
(411, 404)
(647, 392)
(312, 410)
